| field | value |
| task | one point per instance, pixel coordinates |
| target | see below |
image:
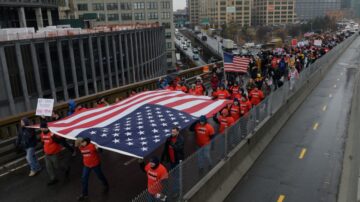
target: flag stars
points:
(144, 149)
(116, 141)
(153, 124)
(142, 138)
(92, 132)
(127, 128)
(164, 124)
(104, 135)
(129, 140)
(166, 130)
(155, 130)
(176, 123)
(116, 134)
(156, 140)
(130, 143)
(143, 143)
(128, 133)
(172, 118)
(162, 120)
(141, 132)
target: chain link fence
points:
(188, 173)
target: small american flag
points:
(235, 63)
(140, 124)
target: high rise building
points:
(355, 6)
(273, 12)
(109, 12)
(25, 13)
(309, 9)
(218, 12)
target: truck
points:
(228, 44)
(197, 30)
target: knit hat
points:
(203, 119)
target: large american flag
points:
(140, 124)
(235, 63)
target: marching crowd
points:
(267, 71)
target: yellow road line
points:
(281, 198)
(324, 108)
(302, 153)
(316, 125)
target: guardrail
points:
(9, 126)
(213, 170)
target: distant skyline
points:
(179, 4)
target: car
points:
(184, 47)
(196, 56)
(204, 38)
(195, 51)
(189, 44)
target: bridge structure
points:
(297, 145)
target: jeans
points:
(204, 155)
(32, 160)
(52, 164)
(85, 178)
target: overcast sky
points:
(179, 4)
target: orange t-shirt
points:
(50, 146)
(225, 122)
(203, 134)
(90, 155)
(222, 94)
(256, 96)
(154, 177)
(245, 107)
(235, 112)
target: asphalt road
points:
(304, 161)
(189, 51)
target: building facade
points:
(273, 12)
(25, 13)
(309, 9)
(72, 66)
(131, 12)
(193, 10)
(218, 12)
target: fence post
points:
(180, 180)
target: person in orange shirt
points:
(221, 93)
(204, 132)
(91, 161)
(256, 96)
(245, 106)
(235, 90)
(157, 176)
(200, 88)
(180, 87)
(192, 90)
(224, 120)
(235, 110)
(52, 148)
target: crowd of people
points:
(268, 70)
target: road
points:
(189, 51)
(304, 161)
(215, 44)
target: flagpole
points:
(225, 78)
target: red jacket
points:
(50, 146)
(225, 122)
(256, 96)
(221, 94)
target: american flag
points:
(140, 124)
(235, 63)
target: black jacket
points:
(26, 138)
(178, 147)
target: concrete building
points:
(309, 9)
(131, 12)
(25, 13)
(72, 66)
(355, 6)
(218, 12)
(273, 12)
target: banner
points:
(317, 42)
(230, 9)
(294, 42)
(44, 107)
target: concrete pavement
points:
(304, 161)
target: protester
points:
(221, 93)
(256, 96)
(224, 120)
(26, 140)
(91, 161)
(157, 176)
(204, 132)
(235, 110)
(293, 76)
(52, 149)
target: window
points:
(165, 4)
(97, 6)
(125, 6)
(112, 6)
(169, 55)
(113, 17)
(139, 16)
(82, 7)
(101, 17)
(168, 35)
(153, 16)
(167, 25)
(152, 5)
(165, 15)
(126, 16)
(168, 45)
(139, 5)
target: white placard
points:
(44, 107)
(317, 42)
(177, 56)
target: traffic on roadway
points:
(192, 52)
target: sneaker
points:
(32, 173)
(82, 198)
(52, 182)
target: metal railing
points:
(188, 173)
(9, 126)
